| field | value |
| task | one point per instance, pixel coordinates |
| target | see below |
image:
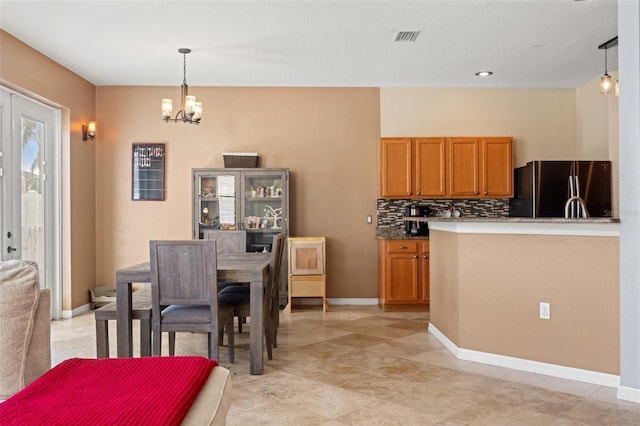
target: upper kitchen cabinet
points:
(466, 167)
(481, 167)
(412, 168)
(396, 168)
(496, 167)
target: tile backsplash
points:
(391, 212)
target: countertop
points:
(597, 226)
(396, 233)
(520, 219)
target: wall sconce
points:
(89, 131)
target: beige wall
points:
(29, 72)
(500, 281)
(327, 138)
(444, 270)
(541, 121)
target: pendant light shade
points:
(606, 84)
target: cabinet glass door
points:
(217, 202)
(263, 202)
(264, 208)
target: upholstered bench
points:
(141, 310)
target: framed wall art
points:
(147, 172)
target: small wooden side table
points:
(307, 269)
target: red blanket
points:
(110, 391)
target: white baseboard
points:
(588, 376)
(443, 339)
(629, 394)
(354, 301)
(77, 311)
(317, 301)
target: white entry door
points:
(30, 188)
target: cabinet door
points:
(264, 200)
(497, 167)
(395, 168)
(216, 202)
(424, 272)
(430, 162)
(402, 278)
(464, 167)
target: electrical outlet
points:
(545, 310)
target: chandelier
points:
(191, 111)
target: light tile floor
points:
(361, 366)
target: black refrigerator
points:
(542, 188)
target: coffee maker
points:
(412, 227)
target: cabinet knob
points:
(486, 192)
(415, 257)
(425, 257)
(418, 193)
(403, 247)
(408, 193)
(476, 193)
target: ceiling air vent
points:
(406, 36)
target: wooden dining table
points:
(252, 268)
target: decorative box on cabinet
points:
(403, 275)
(253, 200)
(307, 269)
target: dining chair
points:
(228, 241)
(184, 296)
(239, 296)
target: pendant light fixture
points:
(605, 80)
(191, 111)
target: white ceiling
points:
(526, 43)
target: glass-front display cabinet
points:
(254, 200)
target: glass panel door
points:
(216, 203)
(264, 212)
(30, 188)
(263, 202)
(32, 191)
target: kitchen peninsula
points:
(488, 277)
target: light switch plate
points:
(545, 310)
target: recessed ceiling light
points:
(484, 73)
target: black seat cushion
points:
(234, 295)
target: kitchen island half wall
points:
(488, 278)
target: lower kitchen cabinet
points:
(403, 274)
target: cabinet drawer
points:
(402, 246)
(307, 286)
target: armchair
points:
(25, 334)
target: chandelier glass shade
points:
(190, 109)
